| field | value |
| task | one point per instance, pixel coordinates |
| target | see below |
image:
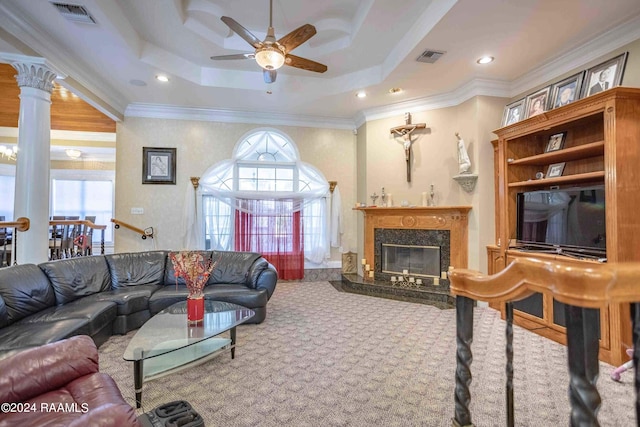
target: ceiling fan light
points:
(270, 58)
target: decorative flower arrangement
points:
(194, 269)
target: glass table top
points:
(169, 330)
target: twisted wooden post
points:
(464, 337)
(509, 367)
(582, 353)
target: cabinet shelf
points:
(602, 132)
(568, 179)
(593, 149)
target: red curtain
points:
(276, 233)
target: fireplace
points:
(424, 242)
(422, 253)
(419, 261)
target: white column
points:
(33, 164)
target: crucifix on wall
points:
(405, 132)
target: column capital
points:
(33, 71)
(35, 75)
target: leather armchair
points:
(60, 384)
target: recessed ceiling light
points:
(361, 94)
(162, 78)
(137, 82)
(485, 60)
(395, 90)
(269, 92)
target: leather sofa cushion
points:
(166, 296)
(233, 267)
(26, 335)
(97, 391)
(4, 314)
(137, 268)
(97, 313)
(64, 372)
(240, 295)
(129, 299)
(46, 368)
(25, 290)
(77, 277)
(235, 294)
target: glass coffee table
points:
(167, 343)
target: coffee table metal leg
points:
(137, 379)
(233, 342)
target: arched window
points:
(264, 199)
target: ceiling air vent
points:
(74, 12)
(429, 56)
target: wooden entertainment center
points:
(602, 146)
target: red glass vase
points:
(195, 309)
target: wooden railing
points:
(67, 238)
(584, 290)
(72, 238)
(8, 230)
(147, 232)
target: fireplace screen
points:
(421, 261)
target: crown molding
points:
(235, 116)
(476, 87)
(578, 57)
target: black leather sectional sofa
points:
(106, 294)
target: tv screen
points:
(568, 220)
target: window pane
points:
(266, 173)
(282, 173)
(85, 198)
(7, 191)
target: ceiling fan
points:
(272, 54)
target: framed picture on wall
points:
(158, 165)
(604, 76)
(537, 102)
(513, 113)
(566, 91)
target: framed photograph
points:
(555, 170)
(566, 91)
(537, 102)
(556, 142)
(513, 113)
(158, 165)
(604, 76)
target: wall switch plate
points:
(137, 211)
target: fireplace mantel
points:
(452, 218)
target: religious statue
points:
(464, 164)
(405, 132)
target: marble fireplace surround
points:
(453, 219)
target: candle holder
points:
(406, 281)
(383, 199)
(374, 197)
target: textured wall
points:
(200, 145)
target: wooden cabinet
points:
(602, 146)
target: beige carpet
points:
(328, 358)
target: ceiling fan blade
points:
(269, 75)
(241, 31)
(305, 64)
(235, 56)
(296, 37)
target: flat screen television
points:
(570, 221)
